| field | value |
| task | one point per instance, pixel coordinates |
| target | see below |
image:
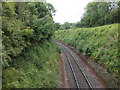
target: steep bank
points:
(100, 43)
(37, 68)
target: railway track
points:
(74, 65)
(77, 76)
(80, 69)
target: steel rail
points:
(79, 68)
(73, 72)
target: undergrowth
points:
(101, 43)
(37, 68)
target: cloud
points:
(68, 10)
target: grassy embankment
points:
(101, 43)
(38, 68)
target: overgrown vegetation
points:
(28, 59)
(24, 24)
(38, 68)
(101, 43)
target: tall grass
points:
(38, 68)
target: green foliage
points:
(44, 28)
(66, 25)
(101, 43)
(28, 60)
(38, 68)
(100, 13)
(24, 24)
(8, 9)
(28, 32)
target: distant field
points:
(101, 43)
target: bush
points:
(38, 68)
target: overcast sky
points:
(68, 10)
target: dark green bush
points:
(38, 68)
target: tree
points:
(24, 24)
(57, 25)
(99, 13)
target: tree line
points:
(96, 14)
(100, 13)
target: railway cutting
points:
(78, 75)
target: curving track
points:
(78, 75)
